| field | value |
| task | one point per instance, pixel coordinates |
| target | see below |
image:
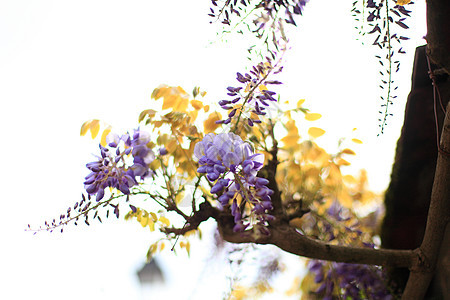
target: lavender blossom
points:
(355, 280)
(252, 96)
(232, 166)
(112, 168)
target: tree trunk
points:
(408, 196)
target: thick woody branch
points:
(438, 218)
(290, 240)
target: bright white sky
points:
(64, 62)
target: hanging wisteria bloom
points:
(114, 169)
(232, 166)
(355, 281)
(253, 96)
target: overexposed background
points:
(64, 62)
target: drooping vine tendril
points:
(379, 17)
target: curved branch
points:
(290, 240)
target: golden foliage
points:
(209, 125)
(94, 127)
(315, 132)
(403, 2)
(312, 116)
(291, 139)
(104, 135)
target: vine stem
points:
(251, 92)
(389, 57)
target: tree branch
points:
(290, 240)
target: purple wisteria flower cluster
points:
(231, 165)
(355, 281)
(114, 169)
(270, 9)
(252, 92)
(351, 281)
(291, 7)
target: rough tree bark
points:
(408, 196)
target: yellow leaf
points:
(257, 132)
(148, 112)
(160, 91)
(104, 135)
(290, 140)
(209, 124)
(197, 104)
(196, 91)
(170, 101)
(144, 220)
(238, 293)
(357, 141)
(151, 225)
(193, 114)
(164, 220)
(95, 127)
(308, 283)
(345, 199)
(162, 139)
(85, 127)
(343, 162)
(295, 287)
(182, 104)
(334, 173)
(403, 2)
(151, 251)
(203, 94)
(171, 146)
(162, 246)
(262, 87)
(180, 90)
(190, 232)
(154, 216)
(155, 164)
(206, 108)
(158, 123)
(348, 151)
(315, 132)
(300, 102)
(179, 197)
(312, 116)
(349, 179)
(188, 248)
(138, 216)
